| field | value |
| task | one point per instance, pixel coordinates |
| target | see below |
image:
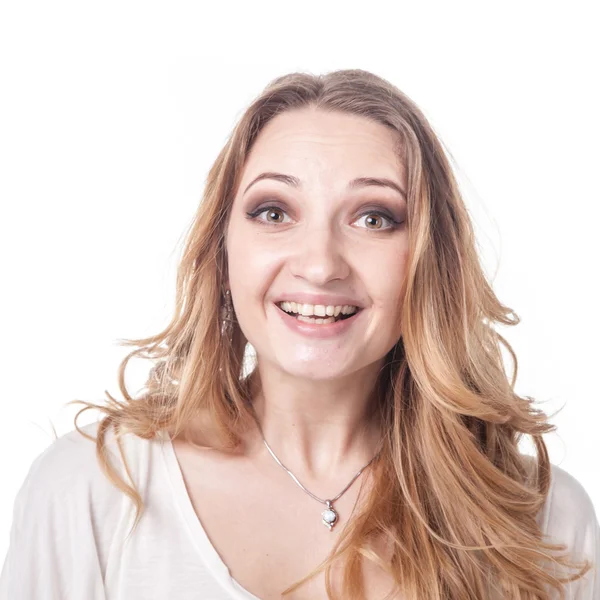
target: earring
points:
(227, 315)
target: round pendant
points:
(329, 516)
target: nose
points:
(319, 257)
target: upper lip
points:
(318, 299)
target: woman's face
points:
(312, 223)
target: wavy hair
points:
(453, 500)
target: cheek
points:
(249, 261)
(384, 276)
(251, 264)
(250, 243)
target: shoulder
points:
(568, 502)
(68, 515)
(68, 462)
(568, 505)
(569, 516)
(65, 458)
(68, 473)
(65, 516)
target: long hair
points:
(453, 501)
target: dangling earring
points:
(227, 315)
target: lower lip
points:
(325, 330)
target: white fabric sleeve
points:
(52, 551)
(571, 519)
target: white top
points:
(67, 538)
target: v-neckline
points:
(198, 534)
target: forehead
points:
(318, 141)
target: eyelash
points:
(253, 216)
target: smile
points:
(317, 326)
(318, 314)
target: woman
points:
(371, 448)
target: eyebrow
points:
(359, 182)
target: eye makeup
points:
(373, 209)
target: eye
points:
(274, 214)
(375, 218)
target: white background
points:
(112, 113)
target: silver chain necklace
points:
(329, 516)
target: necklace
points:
(329, 516)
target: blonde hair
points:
(453, 498)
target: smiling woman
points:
(332, 240)
(319, 213)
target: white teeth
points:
(315, 321)
(308, 310)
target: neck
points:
(317, 429)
